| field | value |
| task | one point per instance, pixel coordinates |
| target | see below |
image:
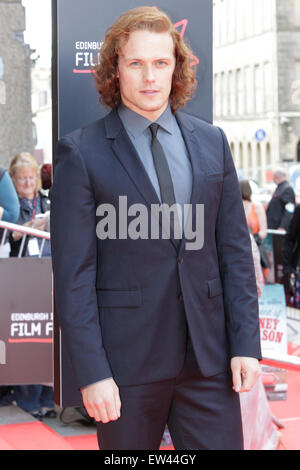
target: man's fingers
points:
(236, 378)
(247, 382)
(118, 403)
(245, 372)
(249, 378)
(96, 410)
(102, 401)
(111, 411)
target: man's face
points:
(146, 65)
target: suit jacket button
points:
(180, 297)
(180, 259)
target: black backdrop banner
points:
(78, 31)
(26, 321)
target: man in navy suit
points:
(160, 329)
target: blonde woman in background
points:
(34, 205)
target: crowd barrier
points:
(27, 231)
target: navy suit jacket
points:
(124, 304)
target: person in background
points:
(46, 176)
(9, 202)
(291, 258)
(9, 207)
(282, 205)
(256, 220)
(25, 173)
(255, 213)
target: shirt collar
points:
(137, 124)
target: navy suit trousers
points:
(201, 413)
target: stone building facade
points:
(288, 52)
(15, 83)
(257, 82)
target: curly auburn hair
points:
(143, 18)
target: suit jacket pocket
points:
(214, 177)
(215, 287)
(119, 298)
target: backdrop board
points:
(78, 31)
(26, 321)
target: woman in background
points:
(255, 212)
(26, 176)
(257, 222)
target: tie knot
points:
(154, 128)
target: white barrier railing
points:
(282, 361)
(27, 231)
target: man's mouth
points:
(149, 92)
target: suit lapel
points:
(197, 163)
(129, 159)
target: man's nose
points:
(148, 74)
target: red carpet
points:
(288, 411)
(31, 436)
(89, 442)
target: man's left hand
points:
(245, 372)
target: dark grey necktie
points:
(162, 171)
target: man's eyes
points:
(158, 63)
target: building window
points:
(268, 156)
(240, 156)
(297, 13)
(268, 12)
(217, 95)
(231, 20)
(232, 93)
(260, 169)
(268, 87)
(224, 93)
(224, 21)
(43, 98)
(249, 90)
(240, 91)
(249, 17)
(258, 14)
(259, 89)
(240, 19)
(249, 159)
(216, 23)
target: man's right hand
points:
(102, 401)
